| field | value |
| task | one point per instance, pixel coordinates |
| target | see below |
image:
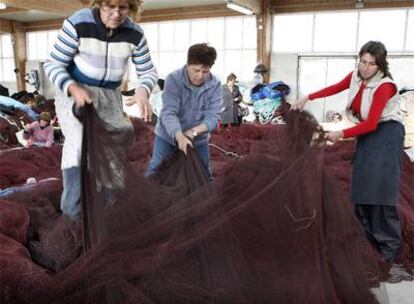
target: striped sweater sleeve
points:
(146, 72)
(62, 53)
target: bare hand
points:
(334, 136)
(80, 95)
(183, 142)
(141, 99)
(300, 104)
(28, 143)
(189, 134)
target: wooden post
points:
(264, 36)
(19, 50)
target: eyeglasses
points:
(365, 63)
(113, 8)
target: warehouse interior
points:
(303, 45)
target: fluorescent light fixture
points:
(239, 8)
(2, 5)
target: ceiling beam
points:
(60, 7)
(5, 26)
(288, 6)
(293, 6)
(387, 3)
(44, 25)
(204, 11)
(189, 12)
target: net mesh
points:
(272, 222)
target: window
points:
(293, 33)
(38, 44)
(343, 31)
(386, 26)
(330, 70)
(326, 45)
(410, 32)
(233, 37)
(6, 59)
(401, 68)
(339, 28)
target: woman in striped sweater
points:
(86, 65)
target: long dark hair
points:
(378, 50)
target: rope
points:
(266, 108)
(309, 219)
(226, 153)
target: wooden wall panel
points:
(190, 12)
(61, 7)
(5, 26)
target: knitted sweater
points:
(86, 53)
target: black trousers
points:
(382, 227)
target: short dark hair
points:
(201, 53)
(379, 52)
(231, 77)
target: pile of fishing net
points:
(275, 226)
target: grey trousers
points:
(70, 202)
(382, 227)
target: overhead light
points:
(2, 5)
(239, 8)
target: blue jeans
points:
(70, 202)
(162, 149)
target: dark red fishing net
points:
(275, 226)
(11, 122)
(18, 164)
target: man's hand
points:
(141, 99)
(300, 104)
(183, 141)
(79, 94)
(334, 136)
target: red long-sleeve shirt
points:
(381, 96)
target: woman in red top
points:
(374, 106)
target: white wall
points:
(284, 67)
(46, 88)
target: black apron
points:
(377, 165)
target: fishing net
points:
(275, 226)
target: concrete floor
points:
(401, 293)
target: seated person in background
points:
(39, 133)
